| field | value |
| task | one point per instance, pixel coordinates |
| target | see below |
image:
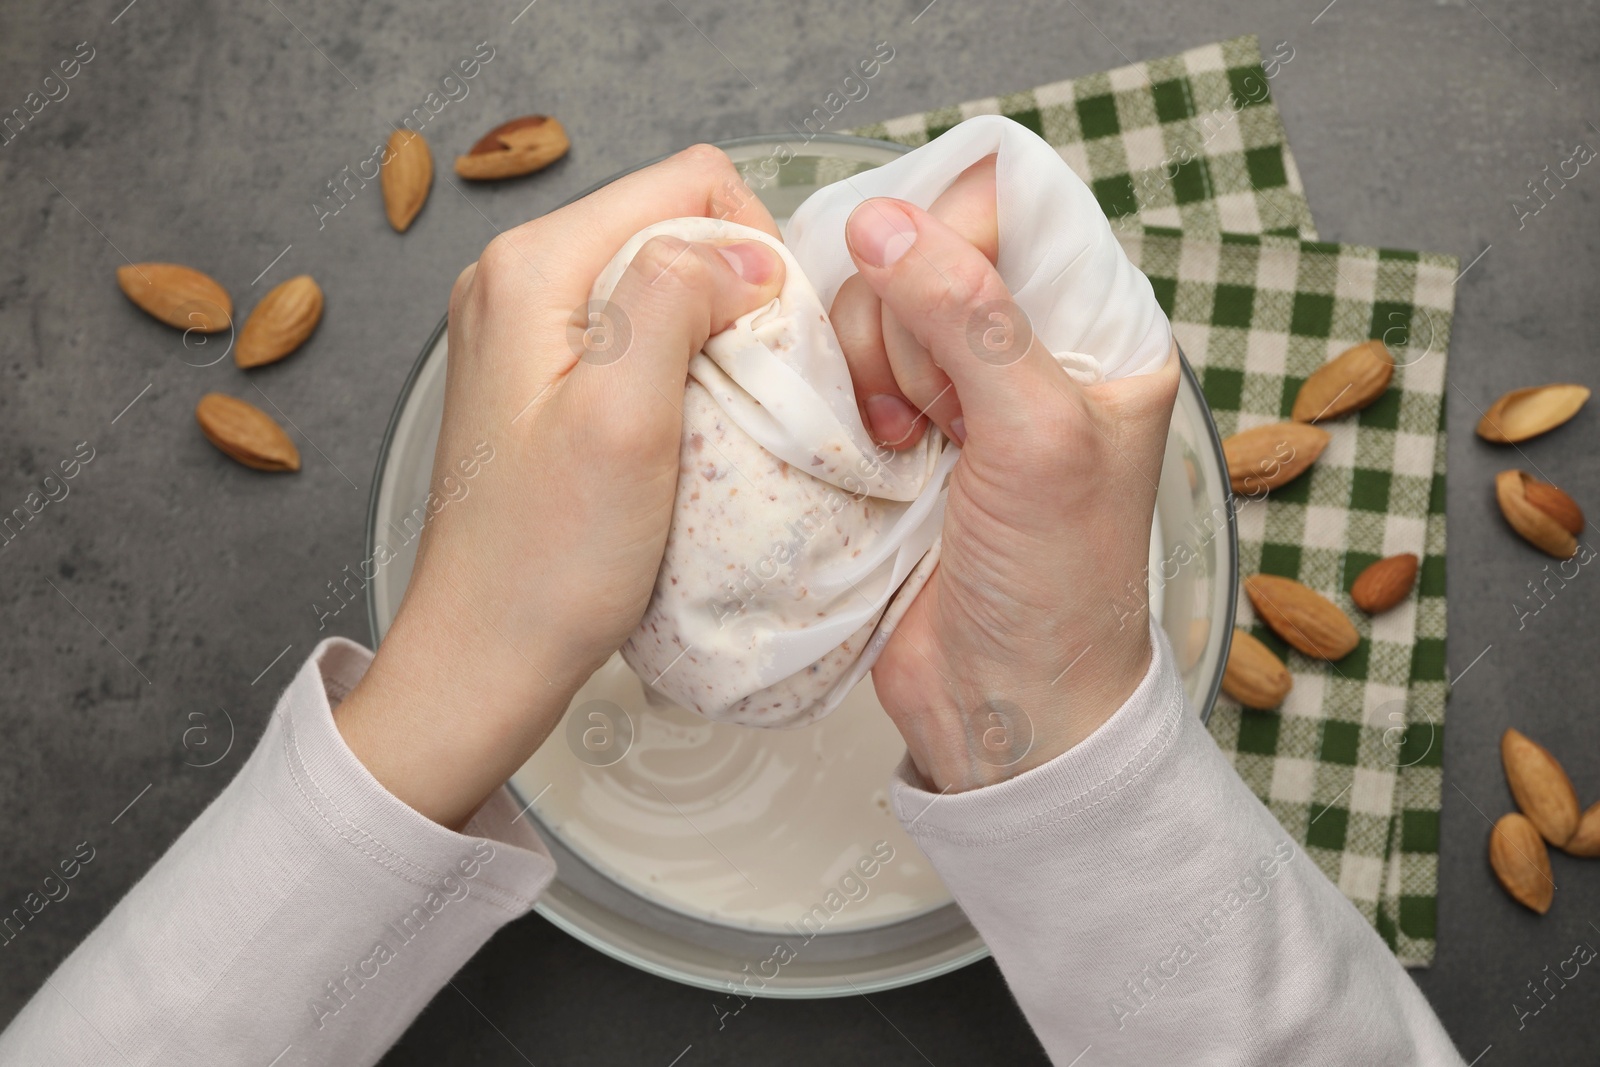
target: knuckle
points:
(707, 158)
(462, 287)
(499, 258)
(928, 388)
(668, 261)
(505, 269)
(962, 285)
(730, 195)
(861, 341)
(857, 318)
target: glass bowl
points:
(1193, 581)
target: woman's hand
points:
(553, 479)
(1021, 644)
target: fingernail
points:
(750, 260)
(891, 417)
(958, 429)
(880, 232)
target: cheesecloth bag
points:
(797, 542)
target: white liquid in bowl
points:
(747, 827)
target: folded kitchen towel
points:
(1350, 764)
(1187, 155)
(1192, 141)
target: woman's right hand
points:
(1022, 643)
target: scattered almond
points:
(407, 176)
(1554, 503)
(1525, 413)
(1385, 583)
(1539, 527)
(1254, 676)
(518, 147)
(280, 323)
(177, 295)
(1521, 862)
(1301, 616)
(246, 433)
(1541, 788)
(1270, 456)
(1348, 382)
(1586, 841)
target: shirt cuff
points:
(371, 820)
(1108, 760)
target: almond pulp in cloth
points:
(796, 542)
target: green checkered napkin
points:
(1350, 764)
(1204, 117)
(1187, 156)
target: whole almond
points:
(1267, 457)
(1541, 788)
(514, 148)
(1385, 583)
(407, 176)
(1302, 616)
(1254, 676)
(177, 295)
(246, 433)
(496, 140)
(1348, 382)
(1521, 862)
(1586, 841)
(1525, 413)
(1539, 527)
(280, 323)
(1554, 503)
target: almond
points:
(177, 295)
(1525, 413)
(1521, 862)
(511, 149)
(1539, 527)
(407, 176)
(1385, 583)
(246, 433)
(1554, 503)
(1254, 676)
(1301, 616)
(280, 323)
(1348, 382)
(1586, 841)
(1269, 456)
(1541, 788)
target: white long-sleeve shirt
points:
(1138, 899)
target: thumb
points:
(954, 302)
(674, 295)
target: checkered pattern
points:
(1188, 158)
(1192, 141)
(1406, 918)
(1350, 763)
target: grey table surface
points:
(169, 579)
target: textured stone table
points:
(164, 586)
